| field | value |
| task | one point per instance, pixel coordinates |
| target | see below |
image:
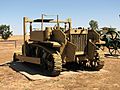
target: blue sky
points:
(106, 12)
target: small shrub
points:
(6, 33)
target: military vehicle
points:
(55, 46)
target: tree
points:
(93, 24)
(5, 31)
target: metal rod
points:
(30, 27)
(42, 22)
(58, 21)
(65, 26)
(24, 33)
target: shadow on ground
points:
(112, 56)
(34, 72)
(34, 69)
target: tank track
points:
(57, 64)
(91, 65)
(51, 60)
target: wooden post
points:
(15, 44)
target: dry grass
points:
(105, 79)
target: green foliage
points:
(93, 24)
(5, 31)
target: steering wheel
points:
(113, 35)
(113, 43)
(114, 49)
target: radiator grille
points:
(80, 41)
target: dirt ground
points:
(107, 78)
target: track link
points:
(51, 59)
(57, 64)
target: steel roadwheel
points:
(49, 63)
(114, 49)
(51, 60)
(114, 52)
(53, 64)
(96, 66)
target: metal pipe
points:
(24, 33)
(70, 23)
(30, 27)
(58, 22)
(65, 26)
(42, 22)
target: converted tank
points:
(56, 46)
